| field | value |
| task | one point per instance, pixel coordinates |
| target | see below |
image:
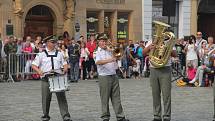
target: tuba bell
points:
(164, 42)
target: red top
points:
(27, 49)
(91, 47)
(191, 73)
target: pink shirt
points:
(28, 49)
(191, 73)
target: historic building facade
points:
(120, 19)
(36, 17)
(182, 23)
(191, 16)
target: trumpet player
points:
(108, 81)
(160, 80)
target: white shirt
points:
(169, 63)
(45, 64)
(136, 68)
(191, 53)
(108, 68)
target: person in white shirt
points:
(108, 81)
(51, 60)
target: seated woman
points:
(205, 66)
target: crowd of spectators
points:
(195, 56)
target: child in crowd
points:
(136, 69)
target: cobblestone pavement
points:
(21, 101)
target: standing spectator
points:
(82, 39)
(191, 54)
(180, 49)
(64, 50)
(27, 50)
(10, 49)
(38, 47)
(28, 38)
(91, 45)
(128, 53)
(74, 56)
(199, 40)
(19, 45)
(83, 58)
(140, 56)
(66, 38)
(11, 46)
(38, 38)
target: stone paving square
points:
(21, 101)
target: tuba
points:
(164, 42)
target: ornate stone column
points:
(69, 16)
(18, 12)
(193, 18)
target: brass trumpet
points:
(116, 50)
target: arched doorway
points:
(206, 17)
(39, 21)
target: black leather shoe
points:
(106, 120)
(45, 118)
(123, 119)
(156, 120)
(67, 120)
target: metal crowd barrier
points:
(177, 71)
(19, 66)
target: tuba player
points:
(160, 81)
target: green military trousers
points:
(160, 80)
(109, 89)
(46, 100)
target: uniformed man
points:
(160, 79)
(108, 81)
(44, 62)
